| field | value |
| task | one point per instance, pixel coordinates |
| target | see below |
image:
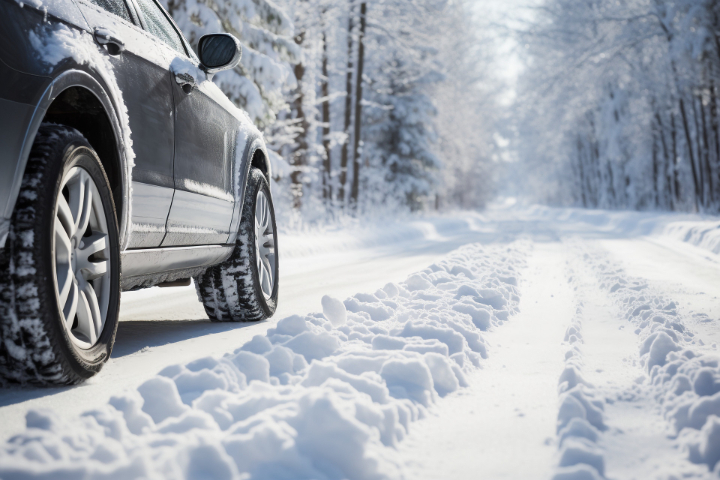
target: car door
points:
(203, 201)
(202, 209)
(143, 75)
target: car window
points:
(159, 25)
(116, 7)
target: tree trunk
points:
(299, 159)
(673, 68)
(709, 189)
(594, 155)
(688, 140)
(348, 109)
(655, 166)
(698, 152)
(581, 173)
(675, 166)
(327, 174)
(715, 133)
(611, 186)
(667, 164)
(713, 102)
(354, 192)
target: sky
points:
(500, 18)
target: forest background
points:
(377, 107)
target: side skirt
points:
(147, 267)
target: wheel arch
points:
(254, 155)
(78, 108)
(76, 99)
(261, 161)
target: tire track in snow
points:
(690, 278)
(595, 372)
(676, 381)
(502, 425)
(580, 416)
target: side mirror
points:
(219, 51)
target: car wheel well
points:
(80, 109)
(259, 161)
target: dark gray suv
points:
(122, 166)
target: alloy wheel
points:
(264, 244)
(81, 249)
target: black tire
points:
(231, 291)
(35, 346)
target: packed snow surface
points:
(517, 343)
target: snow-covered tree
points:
(260, 82)
(401, 121)
(363, 102)
(470, 116)
(619, 104)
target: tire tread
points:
(229, 291)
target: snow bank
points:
(350, 234)
(702, 231)
(322, 396)
(705, 235)
(684, 381)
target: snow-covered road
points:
(590, 370)
(159, 327)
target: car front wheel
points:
(60, 268)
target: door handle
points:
(112, 42)
(186, 81)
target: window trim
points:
(133, 12)
(134, 20)
(141, 16)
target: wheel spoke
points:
(77, 196)
(95, 309)
(63, 246)
(268, 241)
(267, 281)
(65, 215)
(93, 245)
(88, 313)
(265, 215)
(266, 211)
(65, 282)
(71, 305)
(87, 204)
(261, 274)
(260, 267)
(268, 273)
(95, 270)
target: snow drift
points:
(322, 396)
(702, 231)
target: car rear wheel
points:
(245, 287)
(60, 268)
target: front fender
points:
(67, 79)
(244, 154)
